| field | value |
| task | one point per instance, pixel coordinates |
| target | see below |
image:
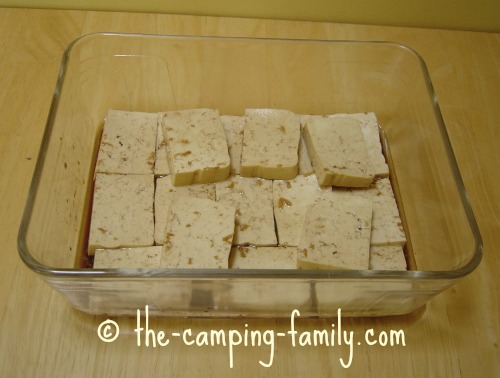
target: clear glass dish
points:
(152, 73)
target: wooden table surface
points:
(455, 335)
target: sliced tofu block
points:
(270, 144)
(337, 151)
(233, 127)
(161, 161)
(141, 257)
(127, 143)
(370, 130)
(336, 234)
(164, 194)
(199, 233)
(253, 199)
(122, 212)
(291, 198)
(305, 167)
(196, 146)
(390, 257)
(387, 228)
(263, 258)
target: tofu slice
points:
(253, 199)
(141, 257)
(122, 212)
(199, 234)
(291, 198)
(263, 258)
(233, 127)
(336, 234)
(370, 130)
(337, 151)
(270, 144)
(305, 166)
(161, 161)
(196, 146)
(165, 192)
(387, 227)
(389, 257)
(127, 143)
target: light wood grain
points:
(455, 335)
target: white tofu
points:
(370, 130)
(270, 144)
(291, 198)
(305, 167)
(387, 227)
(389, 257)
(263, 258)
(336, 234)
(196, 146)
(127, 143)
(161, 161)
(122, 212)
(164, 194)
(199, 234)
(141, 257)
(233, 127)
(253, 199)
(337, 151)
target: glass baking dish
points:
(152, 73)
